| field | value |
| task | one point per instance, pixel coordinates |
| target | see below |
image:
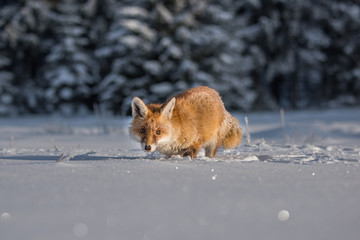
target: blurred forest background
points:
(74, 57)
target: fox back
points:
(191, 120)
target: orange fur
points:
(191, 120)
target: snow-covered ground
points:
(297, 180)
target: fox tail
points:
(233, 132)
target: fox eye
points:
(158, 132)
(142, 130)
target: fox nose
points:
(147, 147)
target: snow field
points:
(296, 180)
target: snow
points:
(68, 178)
(283, 215)
(139, 27)
(134, 12)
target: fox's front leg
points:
(193, 150)
(211, 149)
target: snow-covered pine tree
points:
(7, 89)
(197, 45)
(157, 48)
(69, 70)
(309, 47)
(21, 29)
(229, 61)
(123, 55)
(341, 85)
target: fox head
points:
(151, 123)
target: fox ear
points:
(168, 108)
(139, 108)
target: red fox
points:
(193, 119)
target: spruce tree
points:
(69, 70)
